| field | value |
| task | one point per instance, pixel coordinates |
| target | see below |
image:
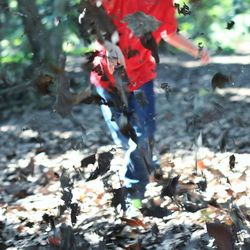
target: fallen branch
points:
(17, 88)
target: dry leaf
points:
(232, 162)
(223, 235)
(134, 222)
(219, 80)
(201, 165)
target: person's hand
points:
(204, 56)
(114, 56)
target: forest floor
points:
(203, 136)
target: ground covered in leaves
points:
(56, 192)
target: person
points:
(140, 68)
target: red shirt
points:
(140, 65)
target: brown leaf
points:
(20, 229)
(134, 222)
(21, 194)
(219, 80)
(230, 192)
(223, 235)
(232, 162)
(134, 246)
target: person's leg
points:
(111, 115)
(138, 157)
(147, 92)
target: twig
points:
(16, 88)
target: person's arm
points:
(181, 42)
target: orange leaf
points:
(134, 222)
(201, 165)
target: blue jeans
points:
(138, 157)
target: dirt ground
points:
(202, 135)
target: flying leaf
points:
(74, 212)
(49, 219)
(94, 22)
(104, 160)
(140, 23)
(230, 25)
(169, 186)
(119, 196)
(65, 179)
(167, 89)
(129, 53)
(232, 162)
(67, 196)
(202, 184)
(223, 235)
(219, 80)
(88, 160)
(222, 140)
(184, 10)
(201, 165)
(148, 42)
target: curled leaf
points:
(219, 80)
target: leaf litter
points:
(73, 213)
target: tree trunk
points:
(35, 30)
(57, 33)
(45, 45)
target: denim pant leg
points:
(138, 160)
(111, 115)
(138, 156)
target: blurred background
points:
(34, 33)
